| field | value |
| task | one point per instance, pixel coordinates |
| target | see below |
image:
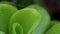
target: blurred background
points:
(52, 6)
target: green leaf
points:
(45, 19)
(52, 23)
(17, 29)
(54, 29)
(6, 12)
(2, 32)
(28, 18)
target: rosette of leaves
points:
(30, 20)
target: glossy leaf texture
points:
(54, 29)
(27, 20)
(45, 19)
(6, 12)
(52, 23)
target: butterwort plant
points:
(33, 19)
(13, 21)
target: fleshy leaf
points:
(52, 23)
(45, 19)
(6, 12)
(54, 29)
(17, 29)
(28, 18)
